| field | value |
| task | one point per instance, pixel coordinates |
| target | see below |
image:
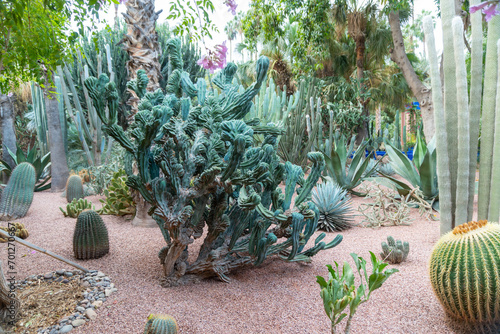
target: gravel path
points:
(277, 297)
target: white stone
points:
(90, 314)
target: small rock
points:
(47, 276)
(78, 322)
(66, 329)
(68, 273)
(114, 290)
(112, 285)
(97, 303)
(65, 281)
(59, 279)
(90, 313)
(80, 309)
(60, 272)
(100, 274)
(85, 283)
(85, 301)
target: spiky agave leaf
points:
(334, 206)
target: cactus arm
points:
(318, 165)
(494, 208)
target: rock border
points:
(99, 288)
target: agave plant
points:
(334, 206)
(386, 169)
(347, 177)
(32, 156)
(419, 172)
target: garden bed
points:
(277, 297)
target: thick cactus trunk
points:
(8, 130)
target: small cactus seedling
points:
(161, 324)
(74, 188)
(90, 240)
(394, 251)
(18, 195)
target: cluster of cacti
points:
(17, 229)
(464, 271)
(18, 195)
(334, 207)
(74, 208)
(119, 201)
(200, 169)
(74, 188)
(161, 324)
(90, 239)
(394, 251)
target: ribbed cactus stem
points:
(161, 324)
(462, 195)
(90, 239)
(18, 195)
(441, 141)
(476, 89)
(465, 272)
(74, 188)
(488, 118)
(494, 208)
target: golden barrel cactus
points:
(465, 272)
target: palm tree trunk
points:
(59, 164)
(8, 130)
(360, 68)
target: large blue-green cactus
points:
(200, 166)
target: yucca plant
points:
(334, 205)
(347, 177)
(420, 172)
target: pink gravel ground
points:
(277, 297)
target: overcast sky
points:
(221, 16)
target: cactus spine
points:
(394, 251)
(74, 188)
(161, 324)
(18, 195)
(90, 240)
(465, 271)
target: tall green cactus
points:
(74, 188)
(200, 166)
(18, 195)
(90, 239)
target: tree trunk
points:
(420, 91)
(142, 218)
(59, 164)
(8, 130)
(360, 68)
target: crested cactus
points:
(464, 272)
(18, 195)
(76, 207)
(394, 251)
(200, 168)
(74, 188)
(161, 324)
(17, 229)
(90, 240)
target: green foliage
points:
(340, 293)
(161, 324)
(334, 207)
(213, 174)
(347, 177)
(189, 16)
(32, 156)
(18, 195)
(102, 175)
(394, 251)
(76, 207)
(119, 201)
(90, 239)
(74, 188)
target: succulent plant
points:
(18, 195)
(90, 240)
(394, 251)
(386, 168)
(464, 272)
(17, 228)
(334, 207)
(74, 208)
(74, 188)
(161, 324)
(119, 201)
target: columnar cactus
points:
(394, 251)
(161, 324)
(465, 274)
(74, 188)
(18, 195)
(199, 166)
(90, 239)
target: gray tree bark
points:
(8, 130)
(59, 164)
(421, 92)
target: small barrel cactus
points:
(161, 324)
(74, 188)
(90, 240)
(394, 251)
(17, 229)
(18, 195)
(464, 272)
